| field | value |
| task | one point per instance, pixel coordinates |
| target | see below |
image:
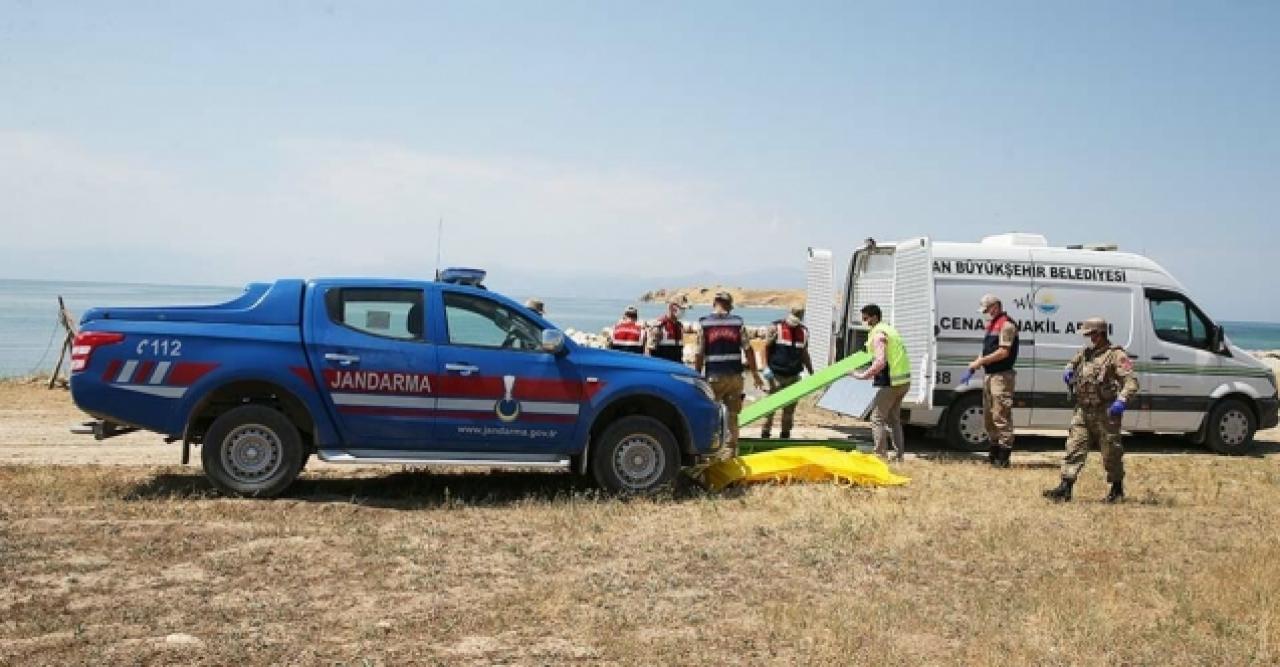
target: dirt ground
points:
(141, 562)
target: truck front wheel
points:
(252, 450)
(635, 455)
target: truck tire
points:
(635, 455)
(252, 451)
(966, 430)
(1230, 427)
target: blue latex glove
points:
(1117, 409)
(966, 376)
(1069, 375)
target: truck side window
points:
(481, 322)
(1177, 320)
(388, 313)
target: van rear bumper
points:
(1268, 412)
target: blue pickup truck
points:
(386, 371)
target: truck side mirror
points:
(552, 341)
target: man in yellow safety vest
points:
(890, 372)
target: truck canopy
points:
(278, 303)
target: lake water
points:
(30, 337)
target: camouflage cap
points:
(631, 311)
(1092, 325)
(797, 312)
(725, 298)
(987, 301)
(535, 305)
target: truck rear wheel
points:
(635, 455)
(1231, 427)
(252, 450)
(966, 428)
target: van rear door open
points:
(899, 279)
(914, 314)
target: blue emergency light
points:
(457, 275)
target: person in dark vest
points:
(787, 354)
(890, 373)
(722, 341)
(627, 334)
(666, 336)
(999, 355)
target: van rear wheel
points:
(1231, 427)
(966, 427)
(252, 450)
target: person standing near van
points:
(666, 336)
(536, 306)
(890, 371)
(627, 335)
(787, 353)
(999, 354)
(722, 341)
(1104, 382)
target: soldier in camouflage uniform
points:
(1103, 381)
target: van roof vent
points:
(1100, 247)
(1019, 239)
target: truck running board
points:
(424, 458)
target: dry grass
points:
(966, 565)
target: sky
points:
(598, 148)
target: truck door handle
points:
(342, 359)
(1159, 357)
(465, 369)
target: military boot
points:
(1002, 458)
(993, 455)
(1061, 494)
(1116, 494)
(785, 435)
(764, 435)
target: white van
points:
(1194, 381)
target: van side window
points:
(388, 313)
(1177, 320)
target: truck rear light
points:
(85, 343)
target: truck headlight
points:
(698, 382)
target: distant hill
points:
(702, 296)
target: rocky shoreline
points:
(742, 297)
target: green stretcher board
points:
(799, 390)
(755, 445)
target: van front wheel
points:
(966, 428)
(1231, 427)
